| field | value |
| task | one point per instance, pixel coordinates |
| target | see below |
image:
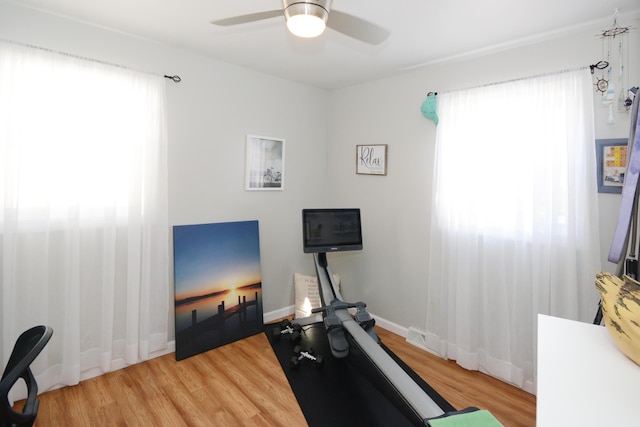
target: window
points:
(83, 209)
(514, 221)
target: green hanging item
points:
(429, 107)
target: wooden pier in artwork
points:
(217, 320)
(213, 331)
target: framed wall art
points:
(611, 158)
(371, 159)
(264, 164)
(218, 285)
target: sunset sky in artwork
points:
(215, 257)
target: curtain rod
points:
(535, 76)
(174, 78)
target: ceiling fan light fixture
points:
(306, 19)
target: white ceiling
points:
(422, 31)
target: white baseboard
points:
(171, 346)
(381, 322)
(412, 335)
(418, 338)
(390, 326)
(278, 314)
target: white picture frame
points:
(371, 159)
(264, 163)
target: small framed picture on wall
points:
(611, 158)
(264, 164)
(371, 159)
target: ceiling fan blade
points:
(357, 28)
(251, 17)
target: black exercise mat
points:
(343, 392)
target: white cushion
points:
(307, 294)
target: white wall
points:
(216, 105)
(210, 113)
(390, 273)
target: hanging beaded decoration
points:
(605, 85)
(601, 83)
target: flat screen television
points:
(331, 230)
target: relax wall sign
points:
(371, 159)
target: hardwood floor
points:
(462, 388)
(242, 384)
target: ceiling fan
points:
(308, 18)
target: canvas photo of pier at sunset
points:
(218, 285)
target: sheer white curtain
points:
(83, 212)
(514, 220)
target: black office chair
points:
(27, 348)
